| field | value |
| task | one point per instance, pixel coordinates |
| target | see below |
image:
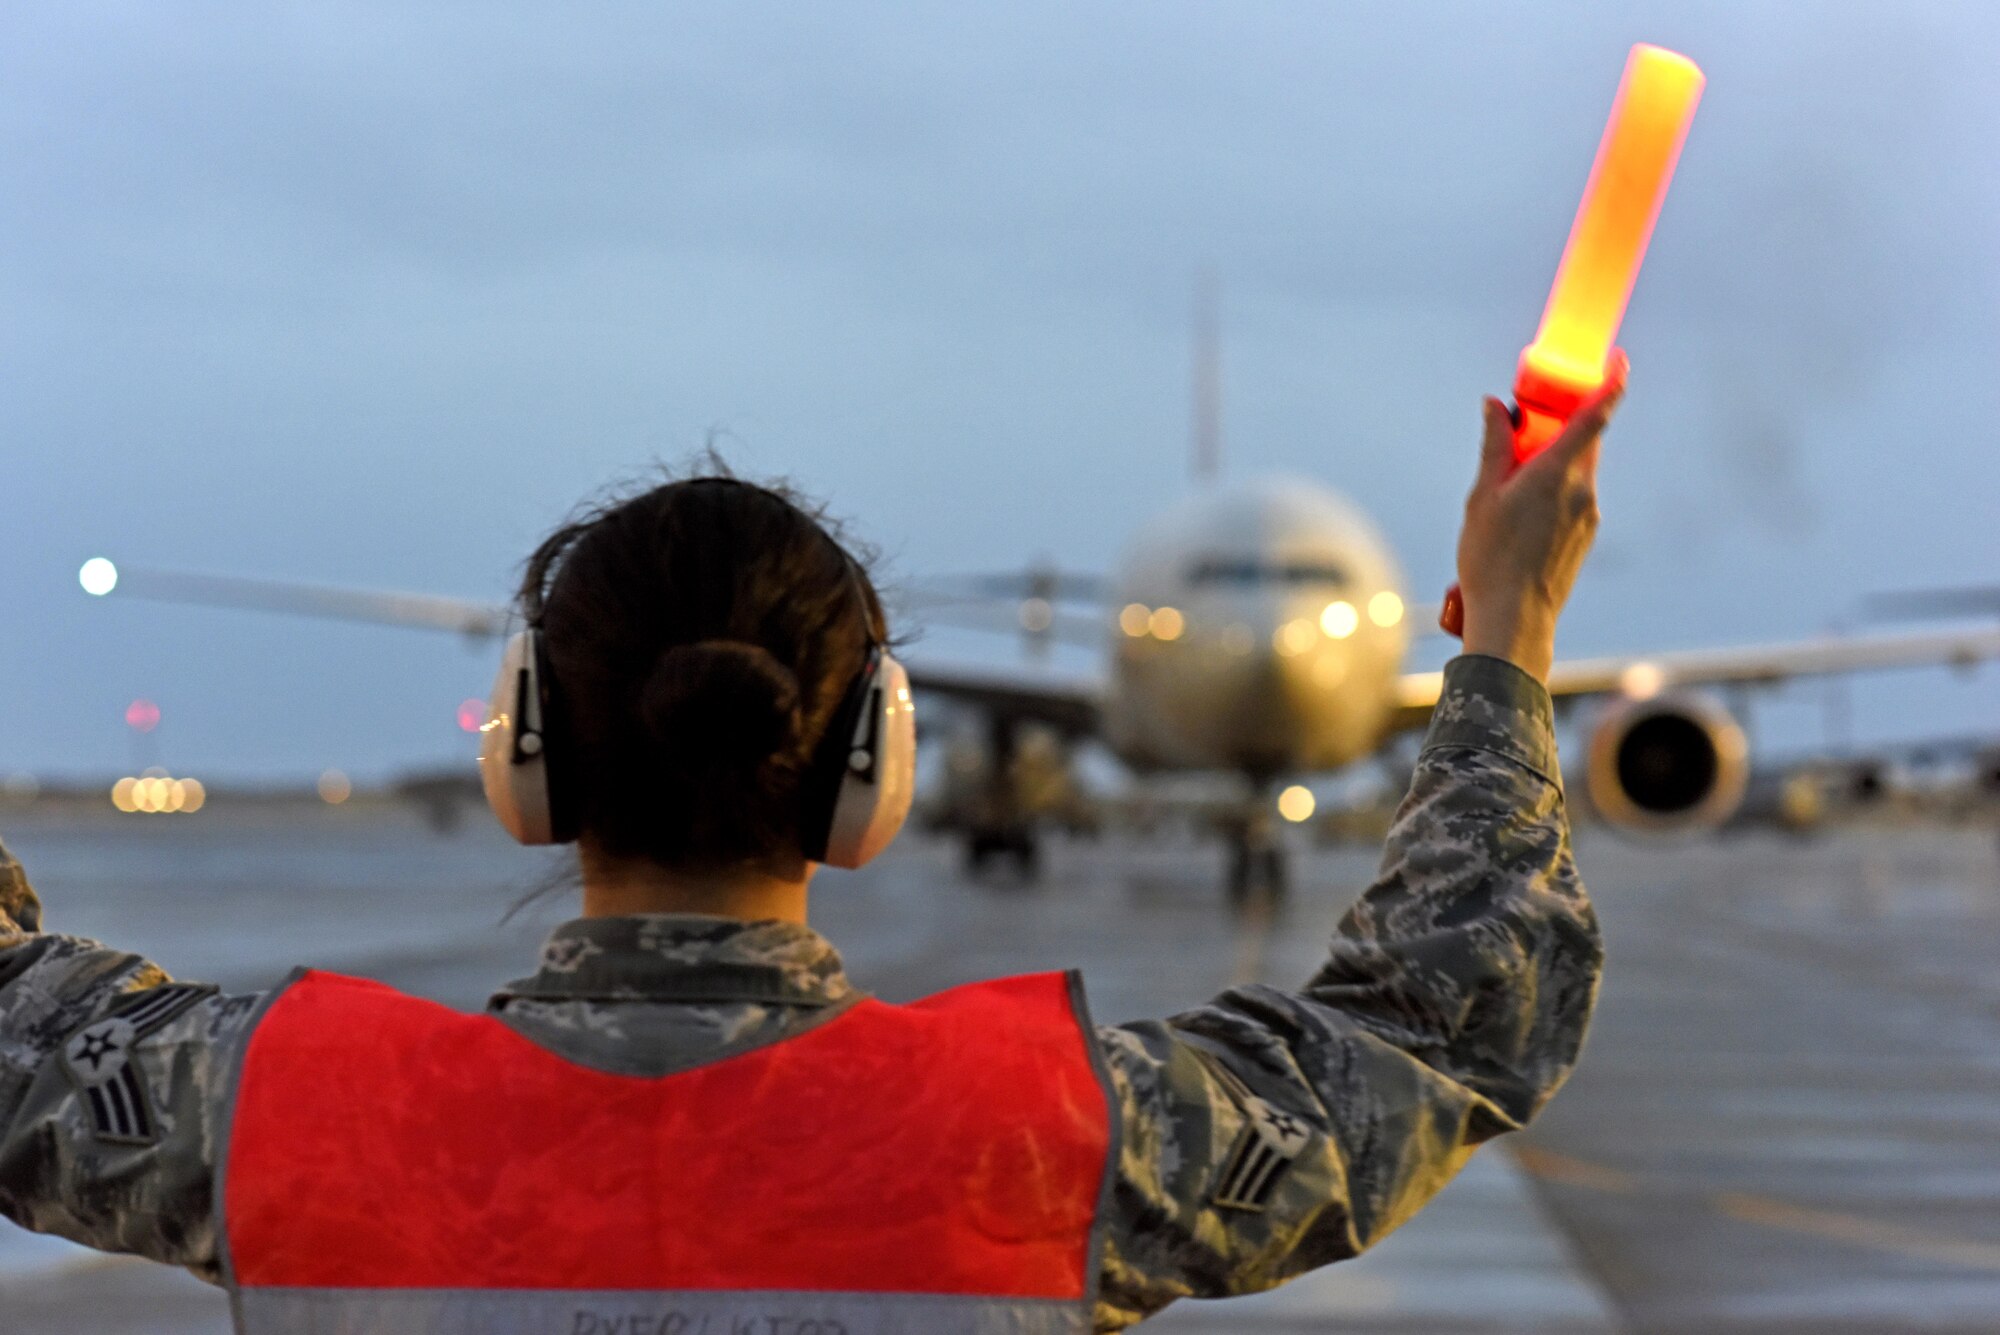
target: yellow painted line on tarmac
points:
(1842, 1227)
(1553, 1167)
(1835, 1225)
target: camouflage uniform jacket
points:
(1263, 1134)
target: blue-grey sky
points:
(374, 293)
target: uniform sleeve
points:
(1271, 1132)
(111, 1081)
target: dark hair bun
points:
(721, 704)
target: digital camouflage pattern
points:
(1264, 1134)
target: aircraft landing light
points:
(1339, 620)
(1166, 623)
(98, 577)
(1294, 637)
(1641, 681)
(1385, 609)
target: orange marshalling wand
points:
(1566, 362)
(1569, 358)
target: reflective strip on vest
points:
(393, 1165)
(539, 1312)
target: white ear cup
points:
(513, 746)
(880, 775)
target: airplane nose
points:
(1311, 654)
(1277, 686)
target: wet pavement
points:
(1788, 1117)
(1789, 1113)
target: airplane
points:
(1259, 629)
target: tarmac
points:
(1786, 1119)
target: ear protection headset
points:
(854, 795)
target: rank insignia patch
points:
(1269, 1142)
(99, 1060)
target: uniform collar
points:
(684, 957)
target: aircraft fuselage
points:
(1261, 629)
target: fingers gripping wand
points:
(1572, 352)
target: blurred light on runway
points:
(1166, 623)
(142, 716)
(155, 794)
(1134, 619)
(471, 715)
(1385, 609)
(1296, 803)
(334, 787)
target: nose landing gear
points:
(1015, 841)
(1259, 873)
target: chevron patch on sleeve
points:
(100, 1060)
(1269, 1142)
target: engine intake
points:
(1670, 764)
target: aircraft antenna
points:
(1207, 376)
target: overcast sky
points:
(373, 294)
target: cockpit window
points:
(1212, 571)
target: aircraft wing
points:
(1034, 618)
(1755, 665)
(419, 610)
(483, 620)
(1930, 604)
(1070, 704)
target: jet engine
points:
(1674, 763)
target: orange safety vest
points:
(931, 1169)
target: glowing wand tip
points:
(1572, 356)
(1628, 182)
